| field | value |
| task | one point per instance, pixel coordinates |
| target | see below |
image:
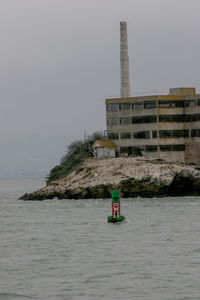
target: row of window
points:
(177, 103)
(129, 135)
(128, 105)
(162, 134)
(173, 133)
(144, 119)
(133, 120)
(151, 148)
(139, 149)
(179, 118)
(152, 104)
(153, 119)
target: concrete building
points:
(104, 148)
(162, 126)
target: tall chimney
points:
(124, 61)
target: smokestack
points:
(124, 61)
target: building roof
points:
(105, 144)
(174, 94)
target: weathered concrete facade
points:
(161, 126)
(104, 148)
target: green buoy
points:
(116, 216)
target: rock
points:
(133, 177)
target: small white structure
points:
(104, 148)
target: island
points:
(133, 176)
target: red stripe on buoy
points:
(115, 209)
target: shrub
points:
(76, 153)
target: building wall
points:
(192, 152)
(104, 152)
(175, 118)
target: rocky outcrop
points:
(134, 177)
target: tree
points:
(76, 153)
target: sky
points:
(59, 60)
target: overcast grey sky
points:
(59, 60)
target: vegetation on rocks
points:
(79, 176)
(130, 188)
(76, 153)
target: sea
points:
(65, 249)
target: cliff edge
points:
(134, 176)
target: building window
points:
(136, 151)
(144, 119)
(124, 106)
(174, 133)
(190, 118)
(113, 136)
(179, 118)
(198, 102)
(165, 133)
(186, 103)
(180, 133)
(154, 134)
(150, 104)
(113, 122)
(151, 148)
(178, 148)
(195, 133)
(123, 150)
(125, 121)
(142, 135)
(125, 135)
(190, 103)
(176, 103)
(171, 118)
(164, 104)
(165, 148)
(138, 105)
(112, 106)
(170, 103)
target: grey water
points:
(65, 249)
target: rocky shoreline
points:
(134, 177)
